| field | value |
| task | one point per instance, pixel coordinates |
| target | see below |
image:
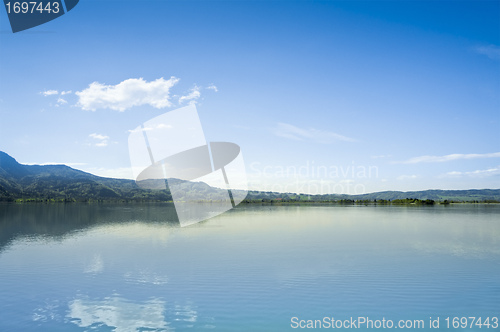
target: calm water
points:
(131, 268)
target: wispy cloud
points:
(406, 177)
(61, 101)
(381, 156)
(212, 87)
(495, 171)
(55, 163)
(449, 157)
(491, 51)
(310, 134)
(49, 92)
(126, 94)
(116, 173)
(193, 95)
(102, 140)
(158, 126)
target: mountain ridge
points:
(63, 183)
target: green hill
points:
(63, 183)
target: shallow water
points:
(106, 267)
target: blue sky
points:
(345, 97)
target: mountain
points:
(58, 182)
(471, 195)
(63, 183)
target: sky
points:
(322, 97)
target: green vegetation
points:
(59, 183)
(406, 201)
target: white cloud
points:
(102, 139)
(477, 173)
(56, 163)
(193, 95)
(449, 157)
(158, 126)
(299, 134)
(491, 51)
(116, 173)
(65, 92)
(212, 87)
(126, 94)
(406, 177)
(49, 93)
(99, 136)
(61, 101)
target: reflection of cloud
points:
(47, 312)
(456, 249)
(449, 157)
(185, 313)
(96, 265)
(300, 134)
(145, 277)
(119, 314)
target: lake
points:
(130, 267)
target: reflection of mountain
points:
(59, 220)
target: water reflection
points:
(95, 265)
(49, 311)
(118, 313)
(121, 268)
(56, 221)
(145, 277)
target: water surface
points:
(105, 267)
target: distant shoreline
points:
(396, 202)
